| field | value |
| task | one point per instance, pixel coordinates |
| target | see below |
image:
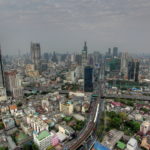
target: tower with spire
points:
(84, 55)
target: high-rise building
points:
(36, 55)
(97, 59)
(84, 55)
(10, 81)
(46, 56)
(78, 59)
(54, 58)
(115, 52)
(109, 51)
(88, 79)
(133, 70)
(137, 67)
(3, 95)
(1, 71)
(124, 64)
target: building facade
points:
(36, 55)
(133, 70)
(84, 55)
(88, 79)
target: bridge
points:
(125, 96)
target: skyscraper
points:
(36, 55)
(78, 59)
(1, 71)
(137, 67)
(109, 51)
(10, 81)
(54, 58)
(115, 52)
(84, 55)
(88, 79)
(124, 63)
(3, 95)
(133, 70)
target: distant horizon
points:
(63, 25)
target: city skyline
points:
(102, 24)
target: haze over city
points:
(63, 25)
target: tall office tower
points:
(13, 84)
(124, 64)
(115, 52)
(133, 70)
(90, 60)
(36, 55)
(1, 71)
(88, 79)
(10, 81)
(3, 95)
(78, 59)
(54, 58)
(84, 55)
(137, 68)
(46, 56)
(109, 51)
(97, 59)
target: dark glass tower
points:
(131, 66)
(1, 71)
(88, 79)
(115, 52)
(133, 70)
(137, 67)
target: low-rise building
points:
(145, 127)
(66, 107)
(66, 130)
(79, 117)
(9, 123)
(146, 142)
(42, 139)
(112, 138)
(37, 123)
(13, 109)
(132, 144)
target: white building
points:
(37, 123)
(42, 140)
(145, 127)
(132, 144)
(3, 96)
(66, 130)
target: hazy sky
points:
(63, 25)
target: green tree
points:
(116, 122)
(19, 104)
(34, 147)
(27, 147)
(1, 125)
(3, 148)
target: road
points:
(91, 125)
(124, 96)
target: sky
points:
(64, 25)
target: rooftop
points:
(43, 135)
(98, 146)
(12, 107)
